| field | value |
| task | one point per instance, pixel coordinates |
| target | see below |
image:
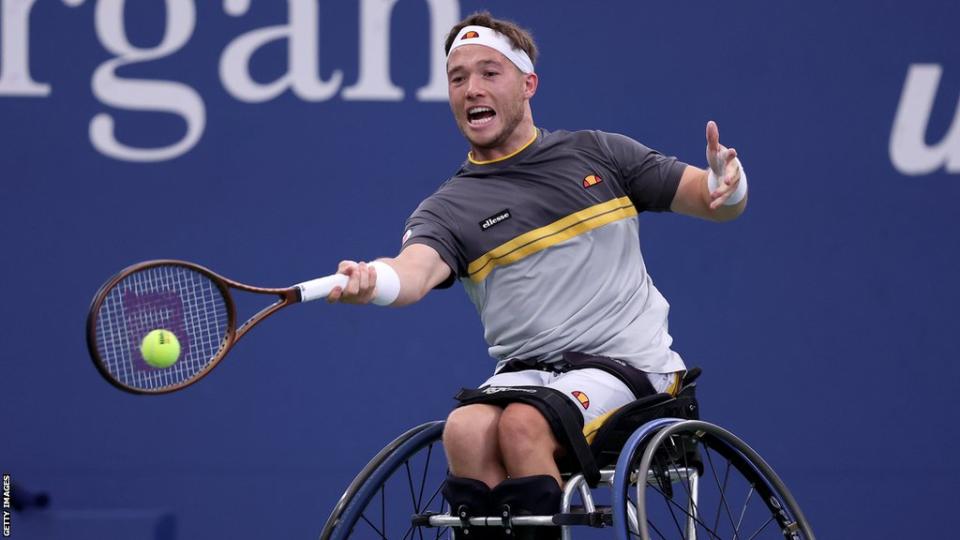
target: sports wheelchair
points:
(666, 474)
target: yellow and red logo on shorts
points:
(582, 398)
(470, 35)
(592, 180)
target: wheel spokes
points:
(746, 495)
(411, 481)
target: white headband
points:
(481, 35)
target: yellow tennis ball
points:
(160, 348)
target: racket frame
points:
(286, 296)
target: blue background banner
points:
(270, 140)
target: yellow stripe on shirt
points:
(563, 229)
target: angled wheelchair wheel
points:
(691, 479)
(404, 479)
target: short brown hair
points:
(520, 37)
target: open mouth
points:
(478, 116)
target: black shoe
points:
(471, 498)
(529, 496)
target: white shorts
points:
(595, 391)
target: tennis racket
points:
(193, 303)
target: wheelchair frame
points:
(643, 450)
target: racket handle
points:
(388, 285)
(317, 289)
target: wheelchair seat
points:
(607, 440)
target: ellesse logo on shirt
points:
(592, 180)
(499, 217)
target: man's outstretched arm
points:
(696, 197)
(418, 267)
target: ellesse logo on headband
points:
(470, 35)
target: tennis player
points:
(541, 229)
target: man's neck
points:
(522, 136)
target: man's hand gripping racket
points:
(194, 304)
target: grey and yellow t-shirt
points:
(546, 245)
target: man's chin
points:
(489, 142)
(481, 138)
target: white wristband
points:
(738, 194)
(388, 284)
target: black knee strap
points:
(561, 413)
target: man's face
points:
(487, 95)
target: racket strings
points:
(175, 298)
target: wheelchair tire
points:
(736, 493)
(407, 475)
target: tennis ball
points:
(160, 348)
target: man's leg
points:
(471, 437)
(529, 451)
(473, 456)
(527, 443)
(472, 445)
